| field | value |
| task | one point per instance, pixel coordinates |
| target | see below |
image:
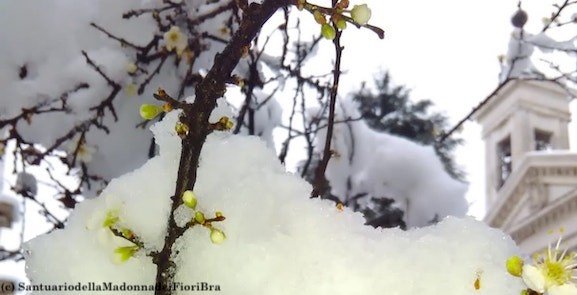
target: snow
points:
(48, 43)
(278, 240)
(521, 61)
(385, 165)
(518, 59)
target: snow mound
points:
(385, 165)
(278, 240)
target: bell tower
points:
(521, 117)
(530, 174)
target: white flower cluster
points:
(551, 273)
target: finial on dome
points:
(520, 17)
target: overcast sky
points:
(446, 51)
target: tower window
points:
(542, 140)
(504, 161)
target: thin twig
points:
(320, 185)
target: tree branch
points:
(321, 185)
(196, 118)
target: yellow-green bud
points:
(150, 111)
(515, 265)
(111, 218)
(341, 24)
(199, 217)
(189, 199)
(361, 14)
(131, 68)
(328, 31)
(127, 233)
(226, 122)
(217, 236)
(121, 254)
(167, 107)
(181, 129)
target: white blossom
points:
(175, 39)
(552, 272)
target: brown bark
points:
(196, 115)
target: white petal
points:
(533, 278)
(567, 289)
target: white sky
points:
(446, 51)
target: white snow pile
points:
(385, 165)
(57, 66)
(278, 241)
(521, 62)
(47, 39)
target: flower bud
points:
(189, 199)
(341, 24)
(149, 111)
(361, 14)
(226, 122)
(167, 107)
(328, 31)
(181, 129)
(121, 254)
(217, 236)
(515, 265)
(111, 218)
(131, 68)
(127, 233)
(199, 217)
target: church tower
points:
(531, 177)
(521, 117)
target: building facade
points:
(531, 176)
